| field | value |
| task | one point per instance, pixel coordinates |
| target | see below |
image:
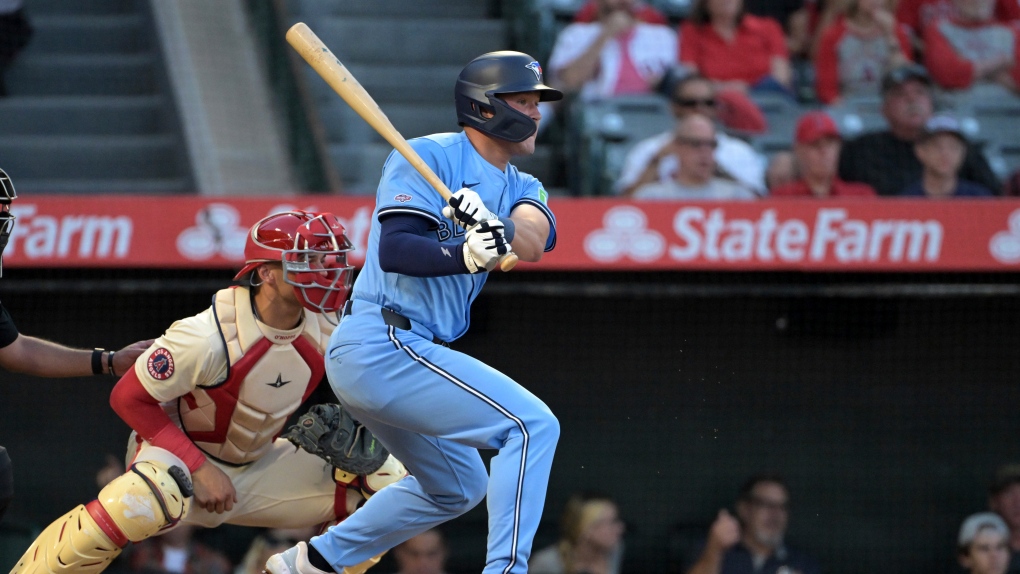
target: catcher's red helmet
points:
(313, 249)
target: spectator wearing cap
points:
(754, 541)
(615, 55)
(941, 149)
(916, 15)
(817, 153)
(1004, 500)
(972, 48)
(696, 177)
(655, 159)
(857, 48)
(983, 544)
(885, 159)
(738, 51)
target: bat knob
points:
(508, 261)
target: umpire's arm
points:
(531, 231)
(42, 358)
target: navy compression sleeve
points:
(406, 246)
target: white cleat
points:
(293, 560)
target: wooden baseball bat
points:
(322, 60)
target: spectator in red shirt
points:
(738, 51)
(918, 14)
(817, 148)
(642, 12)
(972, 48)
(857, 49)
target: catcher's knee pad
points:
(149, 497)
(132, 507)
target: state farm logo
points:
(217, 231)
(1005, 245)
(40, 236)
(625, 233)
(828, 235)
(833, 237)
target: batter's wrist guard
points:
(97, 361)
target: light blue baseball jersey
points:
(442, 304)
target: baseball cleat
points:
(293, 560)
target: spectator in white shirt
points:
(695, 144)
(653, 160)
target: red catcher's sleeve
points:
(947, 68)
(142, 412)
(827, 64)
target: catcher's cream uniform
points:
(231, 381)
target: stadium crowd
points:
(920, 67)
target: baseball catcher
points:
(209, 399)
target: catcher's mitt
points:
(330, 432)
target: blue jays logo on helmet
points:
(537, 68)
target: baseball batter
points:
(389, 361)
(208, 400)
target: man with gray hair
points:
(885, 159)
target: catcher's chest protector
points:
(270, 374)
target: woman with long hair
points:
(591, 539)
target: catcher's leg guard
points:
(148, 498)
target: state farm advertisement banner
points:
(852, 235)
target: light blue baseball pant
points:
(433, 407)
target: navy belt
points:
(394, 319)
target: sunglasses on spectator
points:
(695, 102)
(698, 143)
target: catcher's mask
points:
(313, 249)
(7, 195)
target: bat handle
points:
(508, 261)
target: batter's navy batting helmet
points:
(491, 75)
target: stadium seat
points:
(603, 132)
(856, 115)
